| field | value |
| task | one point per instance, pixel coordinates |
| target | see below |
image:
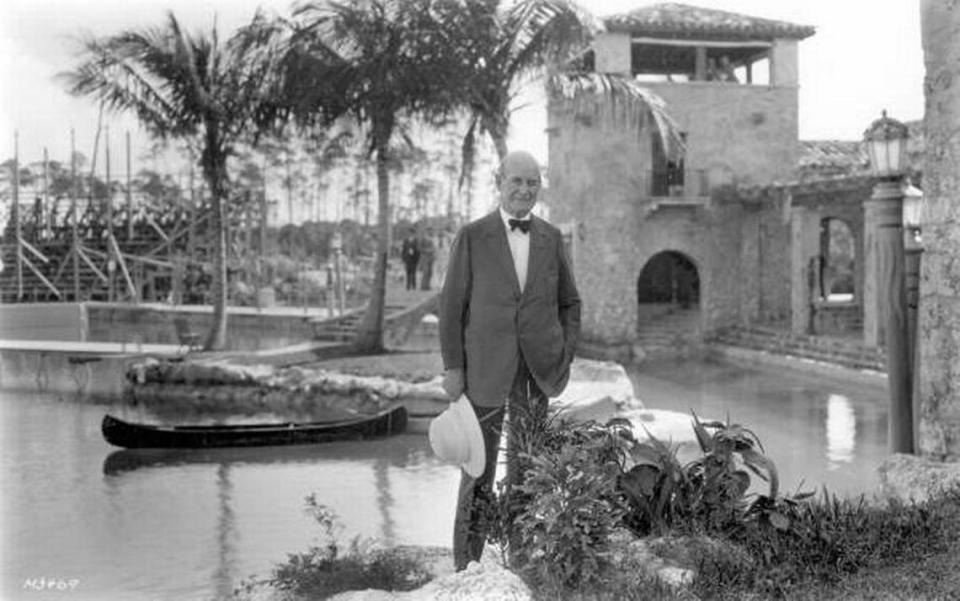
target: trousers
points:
(471, 526)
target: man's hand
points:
(453, 383)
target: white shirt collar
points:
(506, 217)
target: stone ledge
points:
(800, 364)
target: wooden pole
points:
(46, 193)
(15, 215)
(75, 233)
(191, 233)
(887, 201)
(264, 277)
(108, 212)
(129, 194)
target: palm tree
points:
(192, 88)
(390, 59)
(506, 47)
(501, 48)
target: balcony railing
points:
(676, 183)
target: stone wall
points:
(741, 134)
(939, 312)
(765, 263)
(599, 182)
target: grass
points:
(842, 550)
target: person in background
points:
(726, 70)
(427, 256)
(410, 255)
(509, 323)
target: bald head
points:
(518, 180)
(517, 159)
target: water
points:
(819, 431)
(191, 525)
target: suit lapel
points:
(496, 235)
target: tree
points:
(503, 48)
(391, 61)
(500, 47)
(190, 87)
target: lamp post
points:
(886, 141)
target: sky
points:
(866, 56)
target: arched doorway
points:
(669, 278)
(668, 304)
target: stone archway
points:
(669, 278)
(668, 304)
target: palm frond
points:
(112, 76)
(619, 102)
(549, 31)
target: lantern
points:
(886, 141)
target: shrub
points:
(705, 495)
(560, 519)
(324, 570)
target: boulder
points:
(486, 579)
(672, 561)
(916, 477)
(597, 390)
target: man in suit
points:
(410, 254)
(509, 322)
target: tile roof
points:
(821, 158)
(673, 18)
(831, 157)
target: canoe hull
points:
(140, 436)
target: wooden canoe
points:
(141, 436)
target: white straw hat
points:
(456, 438)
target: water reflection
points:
(819, 431)
(404, 450)
(841, 430)
(384, 500)
(225, 574)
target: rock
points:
(597, 390)
(673, 560)
(916, 477)
(670, 427)
(487, 579)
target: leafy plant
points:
(557, 523)
(325, 570)
(708, 493)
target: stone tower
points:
(651, 239)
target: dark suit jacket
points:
(410, 251)
(485, 322)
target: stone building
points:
(939, 312)
(746, 226)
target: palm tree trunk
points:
(499, 141)
(215, 171)
(370, 337)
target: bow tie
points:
(522, 224)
